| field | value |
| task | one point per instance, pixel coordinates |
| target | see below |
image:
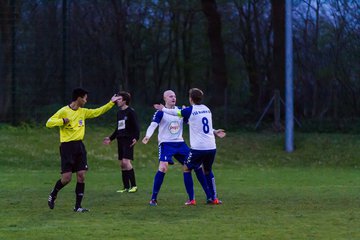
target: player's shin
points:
(189, 185)
(210, 179)
(202, 180)
(158, 180)
(79, 191)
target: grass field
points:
(313, 193)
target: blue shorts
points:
(198, 157)
(178, 150)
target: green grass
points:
(312, 193)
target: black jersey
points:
(127, 125)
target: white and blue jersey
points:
(170, 127)
(199, 118)
(170, 139)
(202, 138)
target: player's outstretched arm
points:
(174, 112)
(149, 132)
(93, 113)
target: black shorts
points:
(198, 157)
(73, 156)
(124, 149)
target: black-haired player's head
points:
(78, 92)
(125, 97)
(79, 95)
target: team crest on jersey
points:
(81, 122)
(174, 127)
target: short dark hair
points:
(196, 95)
(125, 96)
(78, 92)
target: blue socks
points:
(158, 180)
(189, 185)
(211, 183)
(203, 181)
(207, 182)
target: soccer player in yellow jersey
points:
(71, 121)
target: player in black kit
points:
(127, 133)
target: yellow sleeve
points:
(55, 120)
(174, 112)
(93, 113)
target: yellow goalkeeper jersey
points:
(74, 130)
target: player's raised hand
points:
(115, 98)
(158, 106)
(220, 133)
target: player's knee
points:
(163, 169)
(80, 176)
(207, 170)
(65, 179)
(126, 164)
(123, 166)
(186, 169)
(163, 166)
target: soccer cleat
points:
(51, 201)
(216, 201)
(153, 202)
(190, 202)
(133, 189)
(80, 209)
(122, 190)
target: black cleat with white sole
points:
(80, 209)
(51, 201)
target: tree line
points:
(233, 50)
